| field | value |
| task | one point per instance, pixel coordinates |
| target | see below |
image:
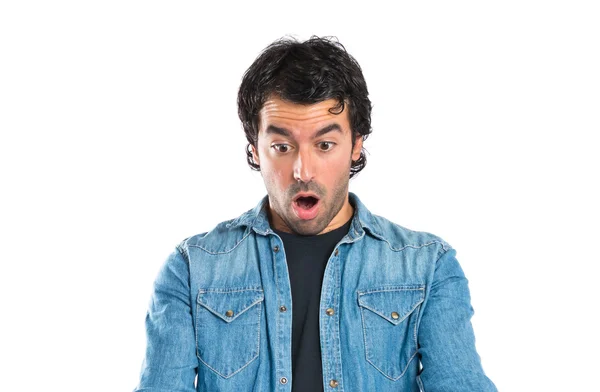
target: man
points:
(309, 291)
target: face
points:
(305, 153)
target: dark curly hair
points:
(306, 73)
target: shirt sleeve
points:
(170, 364)
(446, 340)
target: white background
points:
(120, 137)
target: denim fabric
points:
(221, 311)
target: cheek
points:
(333, 171)
(276, 176)
(280, 174)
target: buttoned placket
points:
(331, 351)
(284, 314)
(329, 323)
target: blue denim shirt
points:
(395, 312)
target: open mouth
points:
(306, 202)
(306, 206)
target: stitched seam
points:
(362, 315)
(230, 290)
(393, 288)
(441, 254)
(322, 324)
(416, 246)
(401, 374)
(395, 322)
(420, 384)
(258, 338)
(205, 306)
(367, 347)
(322, 339)
(338, 359)
(225, 251)
(381, 371)
(407, 364)
(277, 322)
(415, 338)
(326, 345)
(237, 371)
(197, 346)
(228, 376)
(183, 252)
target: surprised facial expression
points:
(305, 153)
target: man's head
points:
(305, 111)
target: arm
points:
(446, 339)
(170, 364)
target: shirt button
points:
(329, 312)
(229, 313)
(337, 251)
(276, 248)
(283, 380)
(333, 383)
(395, 315)
(282, 308)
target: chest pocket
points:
(228, 328)
(389, 319)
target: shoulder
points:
(397, 237)
(223, 238)
(400, 238)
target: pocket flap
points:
(392, 303)
(229, 304)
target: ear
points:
(357, 147)
(255, 154)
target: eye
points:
(281, 148)
(326, 146)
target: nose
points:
(303, 167)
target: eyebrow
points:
(272, 129)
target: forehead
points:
(279, 112)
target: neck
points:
(343, 215)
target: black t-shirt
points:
(307, 258)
